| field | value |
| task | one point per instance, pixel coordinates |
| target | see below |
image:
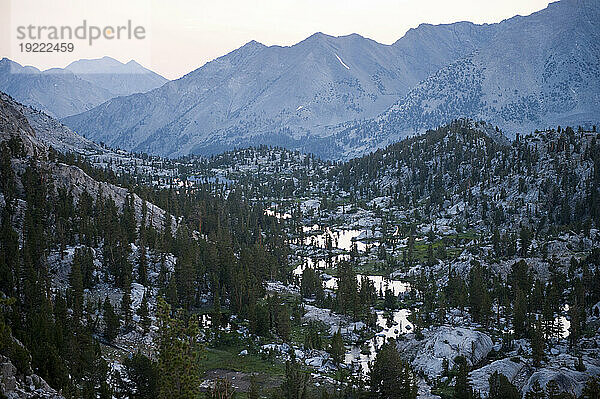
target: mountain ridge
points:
(518, 81)
(261, 94)
(61, 92)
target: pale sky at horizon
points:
(182, 35)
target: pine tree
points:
(215, 316)
(390, 376)
(312, 339)
(537, 344)
(126, 313)
(85, 259)
(580, 366)
(295, 385)
(389, 300)
(591, 389)
(171, 294)
(9, 256)
(144, 314)
(111, 321)
(178, 354)
(7, 181)
(311, 285)
(347, 290)
(552, 389)
(260, 325)
(76, 290)
(142, 374)
(479, 299)
(143, 266)
(128, 223)
(462, 388)
(501, 388)
(536, 392)
(496, 243)
(337, 348)
(520, 313)
(282, 322)
(525, 235)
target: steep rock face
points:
(15, 386)
(14, 124)
(56, 135)
(286, 96)
(446, 342)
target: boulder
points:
(445, 343)
(480, 378)
(8, 372)
(562, 370)
(567, 380)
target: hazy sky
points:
(181, 35)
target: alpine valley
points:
(334, 219)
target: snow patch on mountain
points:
(342, 62)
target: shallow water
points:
(319, 264)
(394, 325)
(278, 215)
(340, 239)
(381, 284)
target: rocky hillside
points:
(15, 127)
(83, 262)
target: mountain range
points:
(344, 96)
(276, 94)
(79, 87)
(539, 70)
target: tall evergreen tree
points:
(462, 387)
(337, 348)
(76, 290)
(390, 376)
(111, 321)
(501, 387)
(295, 384)
(179, 352)
(142, 377)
